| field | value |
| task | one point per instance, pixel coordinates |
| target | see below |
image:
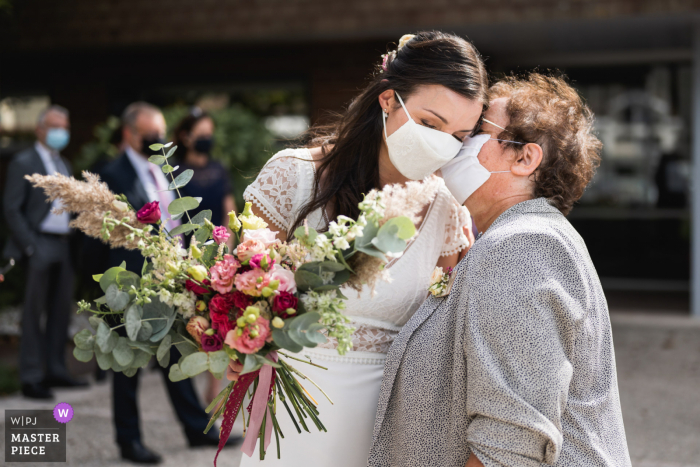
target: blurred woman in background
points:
(194, 137)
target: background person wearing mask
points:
(41, 236)
(132, 175)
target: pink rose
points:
(220, 235)
(247, 282)
(285, 277)
(196, 327)
(222, 274)
(246, 344)
(266, 236)
(149, 213)
(249, 248)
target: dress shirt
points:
(141, 165)
(53, 223)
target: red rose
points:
(196, 288)
(218, 321)
(282, 302)
(149, 213)
(221, 304)
(224, 327)
(241, 300)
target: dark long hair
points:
(185, 127)
(350, 164)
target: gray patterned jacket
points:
(516, 364)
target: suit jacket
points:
(121, 177)
(24, 205)
(516, 364)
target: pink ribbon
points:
(260, 398)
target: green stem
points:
(300, 360)
(176, 189)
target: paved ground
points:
(658, 360)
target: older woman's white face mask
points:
(464, 174)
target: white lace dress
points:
(352, 381)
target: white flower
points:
(341, 243)
(120, 206)
(355, 231)
(165, 296)
(335, 229)
(436, 276)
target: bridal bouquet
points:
(216, 305)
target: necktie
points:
(163, 195)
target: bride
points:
(408, 122)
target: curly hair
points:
(546, 110)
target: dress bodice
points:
(286, 183)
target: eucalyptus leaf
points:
(116, 299)
(201, 215)
(84, 340)
(183, 229)
(388, 241)
(167, 145)
(368, 233)
(163, 352)
(372, 251)
(125, 279)
(157, 160)
(194, 364)
(156, 147)
(145, 332)
(176, 374)
(133, 321)
(183, 204)
(97, 277)
(101, 300)
(168, 324)
(82, 355)
(177, 216)
(163, 313)
(141, 359)
(95, 321)
(117, 367)
(105, 338)
(203, 234)
(123, 354)
(218, 361)
(406, 228)
(181, 180)
(209, 252)
(251, 364)
(109, 278)
(266, 361)
(145, 346)
(281, 338)
(167, 168)
(130, 372)
(306, 280)
(104, 360)
(171, 151)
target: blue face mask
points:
(57, 138)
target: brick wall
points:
(41, 24)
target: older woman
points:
(515, 367)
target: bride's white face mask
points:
(464, 174)
(417, 151)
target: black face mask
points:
(204, 145)
(146, 142)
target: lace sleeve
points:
(455, 240)
(274, 190)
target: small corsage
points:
(440, 282)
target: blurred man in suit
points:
(41, 236)
(132, 175)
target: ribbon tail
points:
(260, 398)
(233, 405)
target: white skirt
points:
(353, 382)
